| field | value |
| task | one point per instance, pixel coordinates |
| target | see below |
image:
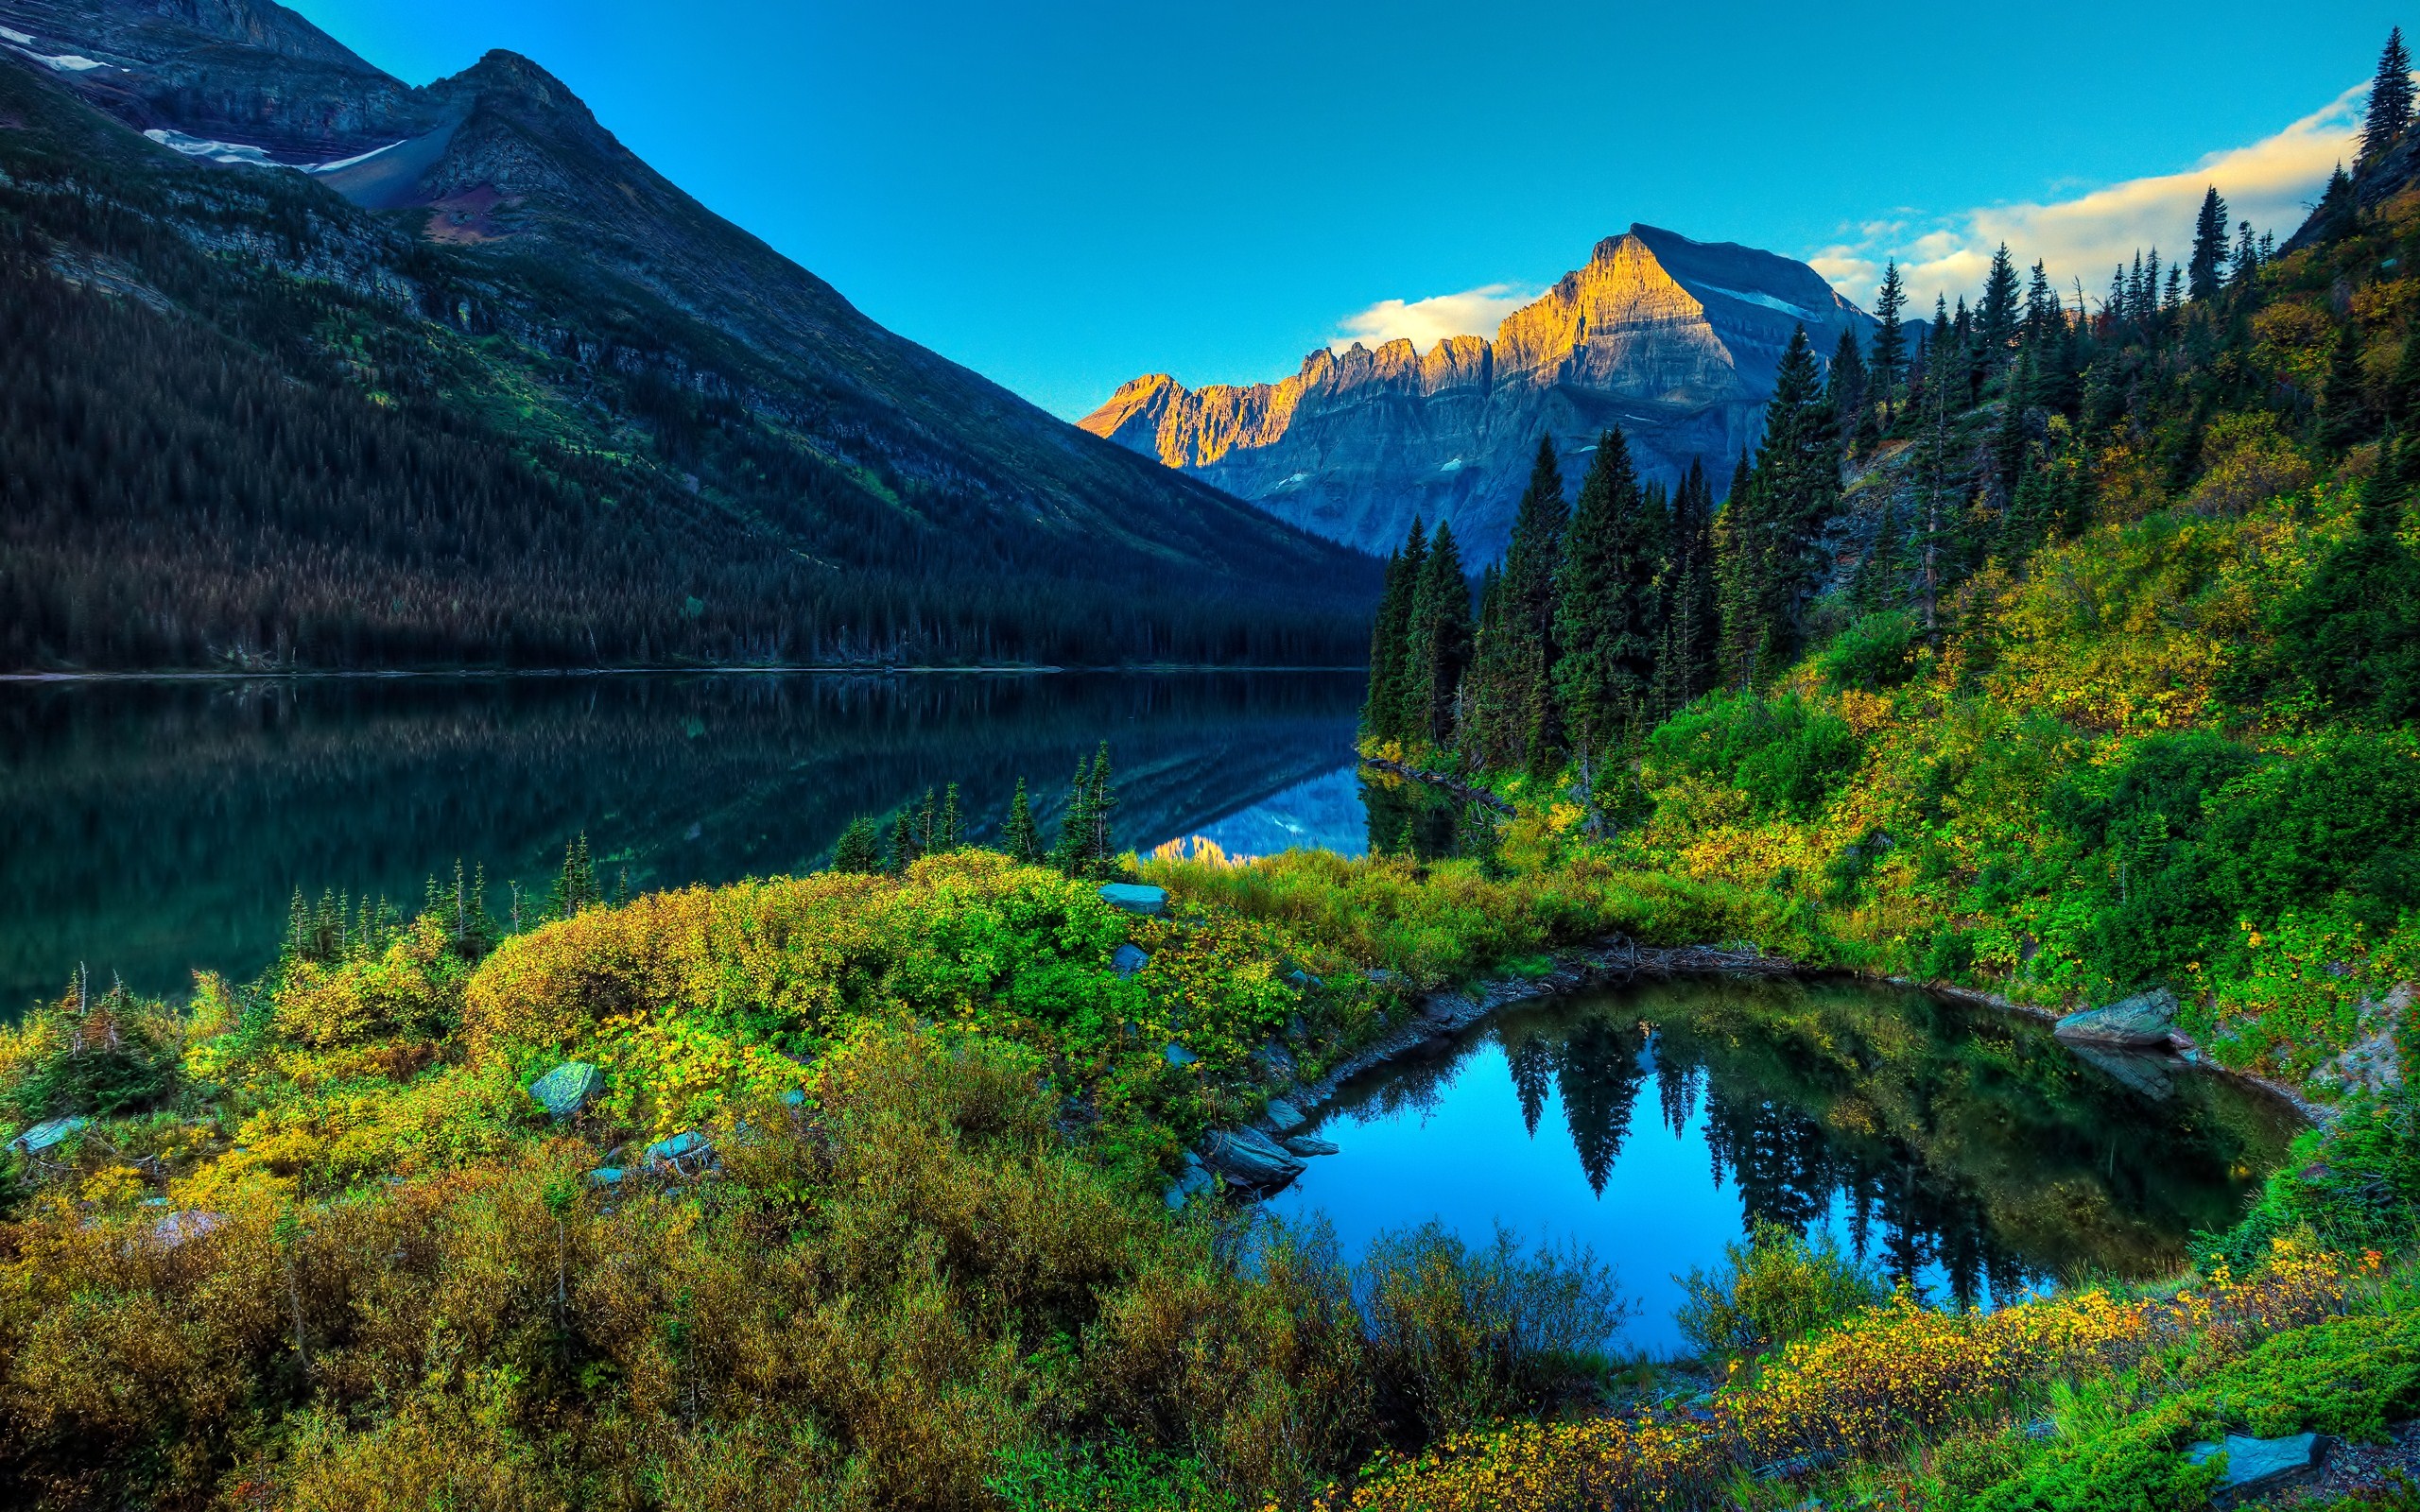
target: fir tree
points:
(1689, 658)
(574, 886)
(2247, 257)
(1382, 713)
(1521, 667)
(2343, 417)
(1438, 648)
(1022, 839)
(2389, 109)
(928, 825)
(1604, 606)
(1100, 803)
(1881, 578)
(1845, 387)
(1890, 338)
(1793, 495)
(903, 841)
(1073, 852)
(2338, 214)
(2209, 246)
(859, 849)
(1995, 320)
(953, 823)
(1739, 579)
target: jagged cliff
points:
(1674, 340)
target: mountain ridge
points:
(1674, 340)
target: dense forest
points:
(243, 423)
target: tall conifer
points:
(2389, 109)
(1889, 362)
(2209, 246)
(1604, 631)
(1437, 650)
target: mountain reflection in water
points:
(1964, 1150)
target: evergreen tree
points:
(1604, 605)
(2340, 212)
(1516, 719)
(1689, 660)
(1021, 839)
(1382, 710)
(903, 841)
(1100, 803)
(2403, 389)
(1881, 578)
(953, 823)
(1890, 337)
(2009, 441)
(928, 825)
(2343, 417)
(574, 886)
(2389, 109)
(2247, 257)
(2352, 632)
(859, 849)
(1995, 320)
(2209, 246)
(1438, 648)
(1072, 854)
(1845, 387)
(1739, 579)
(1795, 492)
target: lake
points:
(158, 826)
(1961, 1149)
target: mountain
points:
(622, 429)
(1674, 340)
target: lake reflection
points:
(155, 827)
(1961, 1149)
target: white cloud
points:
(2272, 183)
(1472, 313)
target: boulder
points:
(1284, 1116)
(1135, 898)
(2256, 1466)
(1249, 1158)
(564, 1091)
(1177, 1056)
(1193, 1181)
(605, 1176)
(1308, 1145)
(2140, 1022)
(680, 1151)
(1129, 960)
(177, 1227)
(48, 1135)
(1303, 980)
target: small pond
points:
(1962, 1149)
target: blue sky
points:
(1064, 196)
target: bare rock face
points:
(1676, 341)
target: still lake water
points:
(1964, 1150)
(153, 828)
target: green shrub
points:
(1788, 757)
(1773, 1288)
(1878, 651)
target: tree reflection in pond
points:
(1961, 1149)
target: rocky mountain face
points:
(1674, 340)
(492, 206)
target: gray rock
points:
(1178, 1056)
(681, 1151)
(605, 1176)
(1135, 898)
(1381, 976)
(1249, 1158)
(48, 1135)
(1193, 1181)
(1275, 1059)
(2139, 1022)
(1304, 980)
(564, 1091)
(1284, 1116)
(1308, 1145)
(177, 1227)
(2256, 1466)
(1129, 960)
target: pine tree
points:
(2247, 257)
(2340, 212)
(928, 826)
(859, 849)
(1021, 839)
(1382, 713)
(574, 886)
(1739, 579)
(903, 841)
(953, 823)
(2403, 389)
(1522, 668)
(1073, 852)
(1689, 662)
(2009, 441)
(1881, 578)
(2390, 110)
(1890, 337)
(2209, 246)
(1438, 648)
(1100, 803)
(1604, 608)
(1845, 387)
(1995, 320)
(1795, 493)
(2344, 416)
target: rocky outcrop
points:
(1674, 340)
(2144, 1019)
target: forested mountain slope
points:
(482, 386)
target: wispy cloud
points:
(1425, 323)
(2271, 183)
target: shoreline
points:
(844, 669)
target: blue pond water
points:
(1965, 1151)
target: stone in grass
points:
(177, 1227)
(1249, 1158)
(1284, 1116)
(679, 1149)
(564, 1091)
(605, 1176)
(1129, 960)
(48, 1135)
(1193, 1181)
(2140, 1022)
(1178, 1056)
(2256, 1466)
(1134, 898)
